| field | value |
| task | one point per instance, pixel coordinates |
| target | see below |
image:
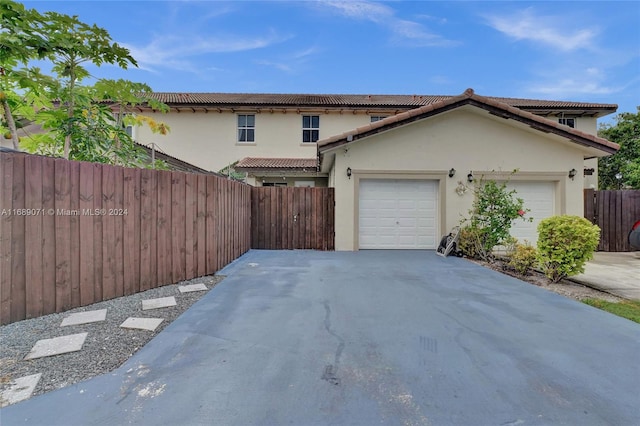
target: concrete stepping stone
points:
(85, 317)
(161, 302)
(57, 346)
(20, 389)
(192, 287)
(142, 323)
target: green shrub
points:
(523, 258)
(494, 210)
(565, 244)
(469, 242)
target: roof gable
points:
(469, 97)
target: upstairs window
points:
(310, 128)
(375, 118)
(571, 122)
(246, 128)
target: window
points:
(571, 122)
(375, 118)
(274, 184)
(310, 128)
(246, 128)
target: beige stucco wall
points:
(466, 139)
(587, 124)
(209, 139)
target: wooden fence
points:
(74, 233)
(292, 218)
(614, 212)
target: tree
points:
(84, 122)
(622, 169)
(19, 42)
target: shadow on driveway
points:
(369, 337)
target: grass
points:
(629, 309)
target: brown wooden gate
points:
(614, 212)
(292, 218)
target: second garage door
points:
(398, 214)
(538, 197)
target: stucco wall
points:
(209, 140)
(467, 140)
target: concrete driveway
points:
(616, 272)
(366, 338)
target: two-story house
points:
(403, 166)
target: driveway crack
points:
(330, 373)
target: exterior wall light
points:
(572, 173)
(470, 177)
(452, 172)
(349, 172)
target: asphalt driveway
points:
(365, 338)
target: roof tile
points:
(346, 100)
(277, 163)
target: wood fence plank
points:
(178, 238)
(191, 225)
(617, 225)
(18, 249)
(148, 203)
(87, 215)
(254, 217)
(109, 290)
(129, 229)
(118, 230)
(33, 237)
(210, 225)
(6, 174)
(98, 260)
(589, 204)
(6, 221)
(230, 221)
(273, 207)
(48, 237)
(137, 217)
(201, 227)
(74, 232)
(164, 229)
(331, 219)
(63, 228)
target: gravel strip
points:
(107, 346)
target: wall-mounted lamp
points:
(349, 172)
(452, 172)
(470, 177)
(572, 173)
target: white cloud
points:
(548, 30)
(404, 31)
(290, 63)
(177, 52)
(564, 84)
(568, 87)
(277, 65)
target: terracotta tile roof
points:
(469, 97)
(308, 164)
(328, 100)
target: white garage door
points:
(539, 197)
(398, 214)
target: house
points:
(271, 138)
(404, 181)
(403, 167)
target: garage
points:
(539, 197)
(398, 214)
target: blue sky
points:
(583, 51)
